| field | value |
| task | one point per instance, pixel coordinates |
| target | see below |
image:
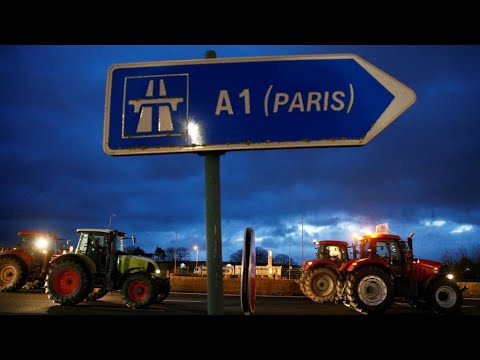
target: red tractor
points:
(384, 270)
(319, 277)
(27, 262)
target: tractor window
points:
(382, 249)
(119, 244)
(396, 258)
(365, 249)
(82, 243)
(98, 241)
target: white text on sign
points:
(281, 101)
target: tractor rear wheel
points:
(12, 274)
(319, 284)
(445, 297)
(138, 291)
(369, 290)
(340, 288)
(67, 283)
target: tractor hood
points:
(426, 268)
(128, 262)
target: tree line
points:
(183, 254)
(465, 262)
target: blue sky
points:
(420, 174)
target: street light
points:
(196, 261)
(289, 264)
(175, 255)
(110, 221)
(302, 240)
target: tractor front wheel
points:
(319, 284)
(11, 274)
(67, 283)
(138, 291)
(445, 297)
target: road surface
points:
(35, 302)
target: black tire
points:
(97, 294)
(320, 284)
(163, 290)
(138, 291)
(445, 297)
(369, 290)
(301, 282)
(340, 295)
(12, 273)
(67, 283)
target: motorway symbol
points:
(248, 103)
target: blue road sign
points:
(248, 103)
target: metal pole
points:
(289, 263)
(175, 255)
(110, 221)
(302, 240)
(196, 261)
(213, 228)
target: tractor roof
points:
(39, 233)
(381, 236)
(105, 231)
(333, 242)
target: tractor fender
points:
(21, 255)
(83, 259)
(135, 270)
(313, 264)
(429, 280)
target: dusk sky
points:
(420, 174)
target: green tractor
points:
(98, 266)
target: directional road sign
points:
(248, 103)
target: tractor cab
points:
(333, 250)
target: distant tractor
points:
(319, 277)
(384, 269)
(27, 262)
(98, 266)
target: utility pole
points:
(175, 255)
(110, 221)
(289, 262)
(302, 240)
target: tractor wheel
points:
(12, 274)
(340, 289)
(445, 297)
(320, 284)
(67, 283)
(163, 290)
(369, 290)
(138, 291)
(301, 281)
(97, 294)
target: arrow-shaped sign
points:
(248, 103)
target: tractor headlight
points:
(41, 243)
(157, 271)
(450, 276)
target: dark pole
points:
(213, 227)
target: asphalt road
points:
(35, 302)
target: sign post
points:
(249, 273)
